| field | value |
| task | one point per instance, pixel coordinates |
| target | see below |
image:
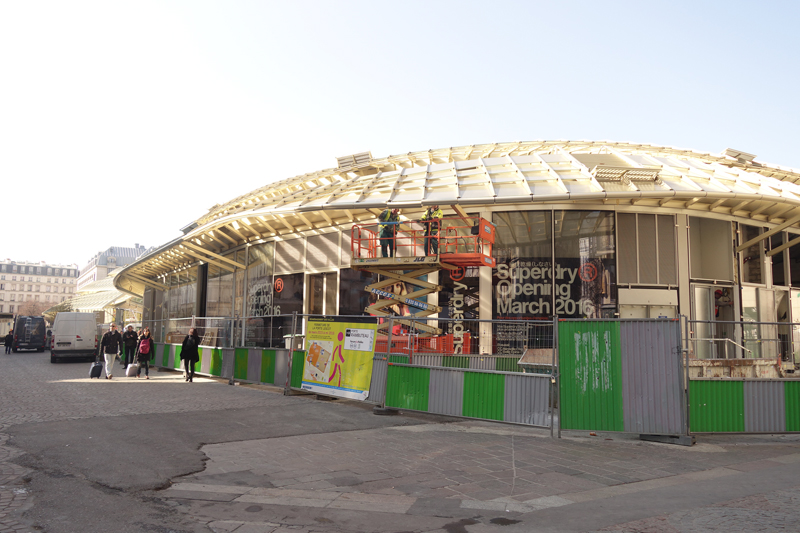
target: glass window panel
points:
(711, 249)
(522, 282)
(353, 299)
(331, 289)
(794, 263)
(778, 263)
(751, 257)
(585, 271)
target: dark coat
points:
(9, 339)
(111, 342)
(145, 357)
(129, 338)
(189, 349)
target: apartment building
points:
(22, 281)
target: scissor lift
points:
(463, 242)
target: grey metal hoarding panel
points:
(446, 391)
(764, 406)
(228, 355)
(281, 366)
(482, 363)
(527, 399)
(652, 380)
(427, 360)
(205, 362)
(254, 364)
(377, 384)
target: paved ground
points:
(164, 455)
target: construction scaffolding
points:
(461, 242)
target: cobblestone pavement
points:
(455, 477)
(466, 469)
(34, 390)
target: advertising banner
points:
(339, 355)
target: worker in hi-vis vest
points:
(431, 220)
(387, 230)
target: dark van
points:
(29, 333)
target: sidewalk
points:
(467, 474)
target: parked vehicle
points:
(74, 337)
(29, 333)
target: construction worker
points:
(387, 229)
(431, 219)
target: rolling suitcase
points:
(96, 370)
(133, 368)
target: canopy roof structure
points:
(563, 173)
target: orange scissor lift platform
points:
(462, 242)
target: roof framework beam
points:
(207, 260)
(782, 247)
(768, 234)
(216, 256)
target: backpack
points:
(144, 346)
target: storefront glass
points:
(259, 294)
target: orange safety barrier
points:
(462, 241)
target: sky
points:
(122, 121)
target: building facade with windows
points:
(22, 281)
(584, 230)
(98, 267)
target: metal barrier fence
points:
(615, 375)
(710, 339)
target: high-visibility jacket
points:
(432, 228)
(387, 230)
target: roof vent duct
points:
(742, 157)
(355, 159)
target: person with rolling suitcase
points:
(96, 369)
(130, 339)
(110, 346)
(143, 353)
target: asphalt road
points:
(163, 455)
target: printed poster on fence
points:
(339, 356)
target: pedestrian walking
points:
(431, 219)
(129, 339)
(144, 351)
(110, 346)
(9, 340)
(189, 353)
(387, 229)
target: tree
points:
(32, 308)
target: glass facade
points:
(561, 263)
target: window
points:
(30, 278)
(47, 298)
(37, 288)
(48, 288)
(2, 297)
(753, 256)
(2, 286)
(29, 297)
(1, 308)
(30, 288)
(36, 298)
(38, 280)
(13, 278)
(10, 308)
(63, 289)
(49, 272)
(13, 286)
(63, 281)
(14, 268)
(2, 277)
(13, 297)
(49, 280)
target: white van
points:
(74, 336)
